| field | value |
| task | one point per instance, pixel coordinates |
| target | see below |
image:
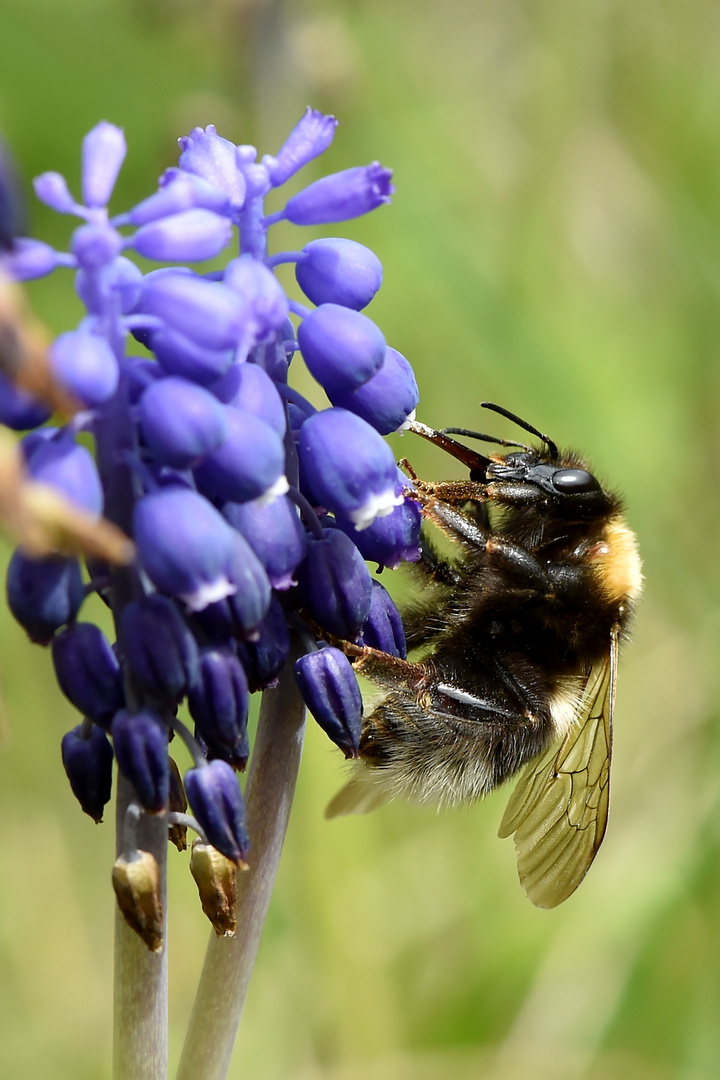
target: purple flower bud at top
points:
(190, 235)
(341, 348)
(87, 757)
(95, 245)
(348, 466)
(263, 656)
(179, 355)
(274, 532)
(248, 387)
(329, 688)
(208, 155)
(389, 540)
(215, 800)
(249, 463)
(18, 410)
(179, 191)
(341, 196)
(103, 152)
(141, 749)
(262, 292)
(310, 137)
(388, 399)
(70, 468)
(219, 703)
(208, 312)
(51, 188)
(159, 648)
(181, 423)
(43, 594)
(384, 628)
(88, 671)
(335, 585)
(338, 271)
(30, 259)
(85, 365)
(185, 546)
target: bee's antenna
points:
(523, 424)
(484, 438)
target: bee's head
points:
(546, 479)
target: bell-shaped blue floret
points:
(329, 688)
(338, 271)
(219, 702)
(179, 191)
(388, 399)
(341, 196)
(390, 540)
(341, 348)
(185, 546)
(158, 647)
(266, 302)
(88, 672)
(30, 259)
(215, 800)
(384, 628)
(181, 422)
(141, 748)
(250, 462)
(68, 467)
(178, 355)
(18, 410)
(103, 152)
(248, 387)
(207, 312)
(275, 534)
(43, 594)
(263, 656)
(189, 236)
(335, 585)
(208, 155)
(310, 137)
(348, 467)
(84, 364)
(87, 757)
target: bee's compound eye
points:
(570, 481)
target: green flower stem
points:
(229, 960)
(140, 1020)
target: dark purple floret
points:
(216, 801)
(18, 410)
(335, 585)
(391, 540)
(141, 748)
(88, 672)
(219, 702)
(384, 628)
(330, 690)
(88, 757)
(274, 532)
(43, 594)
(264, 655)
(159, 648)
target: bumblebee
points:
(519, 633)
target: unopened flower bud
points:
(84, 364)
(178, 354)
(341, 348)
(95, 246)
(208, 155)
(339, 271)
(18, 409)
(103, 152)
(216, 879)
(249, 463)
(181, 422)
(310, 137)
(218, 703)
(335, 585)
(248, 388)
(87, 757)
(159, 648)
(208, 312)
(88, 671)
(263, 656)
(141, 743)
(341, 196)
(70, 468)
(216, 801)
(329, 688)
(188, 236)
(43, 594)
(136, 881)
(384, 628)
(30, 259)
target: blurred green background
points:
(554, 245)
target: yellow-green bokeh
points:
(554, 245)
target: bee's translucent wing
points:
(558, 811)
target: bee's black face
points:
(572, 481)
(529, 478)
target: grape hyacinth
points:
(252, 512)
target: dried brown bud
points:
(177, 803)
(216, 879)
(137, 887)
